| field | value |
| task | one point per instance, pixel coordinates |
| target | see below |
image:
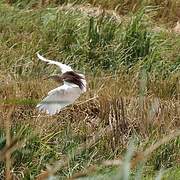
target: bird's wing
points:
(64, 68)
(58, 98)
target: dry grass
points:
(119, 108)
(108, 119)
(133, 93)
(165, 11)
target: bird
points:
(74, 84)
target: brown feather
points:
(72, 77)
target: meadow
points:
(126, 126)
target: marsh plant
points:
(133, 78)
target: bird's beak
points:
(48, 77)
(55, 77)
(51, 77)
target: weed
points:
(133, 78)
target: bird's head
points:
(70, 77)
(73, 77)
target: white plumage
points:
(64, 68)
(63, 95)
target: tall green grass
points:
(86, 41)
(133, 78)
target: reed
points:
(133, 78)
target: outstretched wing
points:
(58, 98)
(64, 68)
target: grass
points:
(133, 78)
(166, 11)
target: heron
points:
(74, 84)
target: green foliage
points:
(100, 46)
(21, 4)
(136, 40)
(165, 157)
(89, 42)
(100, 39)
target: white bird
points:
(74, 85)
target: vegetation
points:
(126, 126)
